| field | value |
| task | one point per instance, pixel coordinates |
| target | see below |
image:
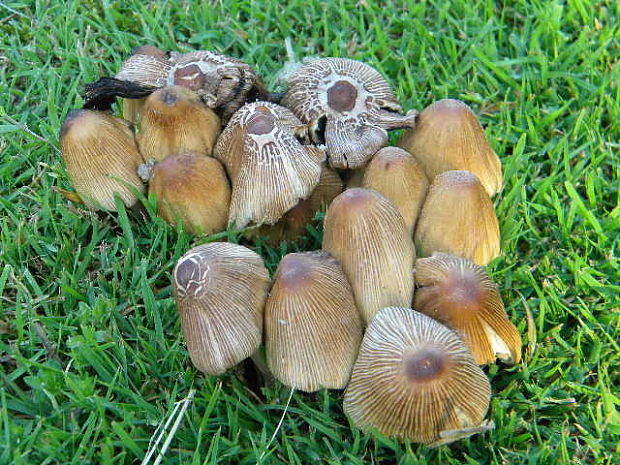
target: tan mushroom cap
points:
(270, 170)
(101, 156)
(192, 189)
(174, 120)
(449, 137)
(220, 290)
(458, 217)
(460, 294)
(349, 105)
(415, 380)
(367, 234)
(312, 328)
(398, 176)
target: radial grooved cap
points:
(460, 294)
(458, 217)
(447, 137)
(414, 379)
(312, 328)
(398, 176)
(175, 120)
(220, 290)
(192, 189)
(102, 158)
(367, 234)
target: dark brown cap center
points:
(191, 277)
(425, 365)
(189, 76)
(342, 96)
(261, 123)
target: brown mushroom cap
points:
(174, 120)
(414, 379)
(398, 176)
(193, 189)
(458, 217)
(220, 290)
(349, 104)
(367, 234)
(101, 156)
(460, 294)
(312, 328)
(448, 137)
(270, 170)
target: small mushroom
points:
(460, 294)
(175, 120)
(398, 176)
(101, 156)
(349, 107)
(220, 290)
(192, 189)
(458, 218)
(293, 224)
(223, 83)
(368, 235)
(147, 56)
(312, 328)
(415, 380)
(448, 137)
(270, 170)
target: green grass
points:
(91, 351)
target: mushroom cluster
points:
(396, 308)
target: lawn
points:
(92, 357)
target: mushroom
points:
(448, 137)
(368, 235)
(312, 328)
(458, 218)
(415, 380)
(101, 156)
(192, 189)
(147, 56)
(293, 224)
(220, 290)
(223, 83)
(175, 120)
(460, 294)
(349, 107)
(398, 176)
(270, 170)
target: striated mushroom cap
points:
(448, 137)
(193, 189)
(220, 290)
(367, 234)
(461, 295)
(414, 379)
(398, 176)
(175, 120)
(349, 105)
(101, 156)
(458, 218)
(293, 224)
(270, 170)
(312, 328)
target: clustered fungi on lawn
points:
(217, 150)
